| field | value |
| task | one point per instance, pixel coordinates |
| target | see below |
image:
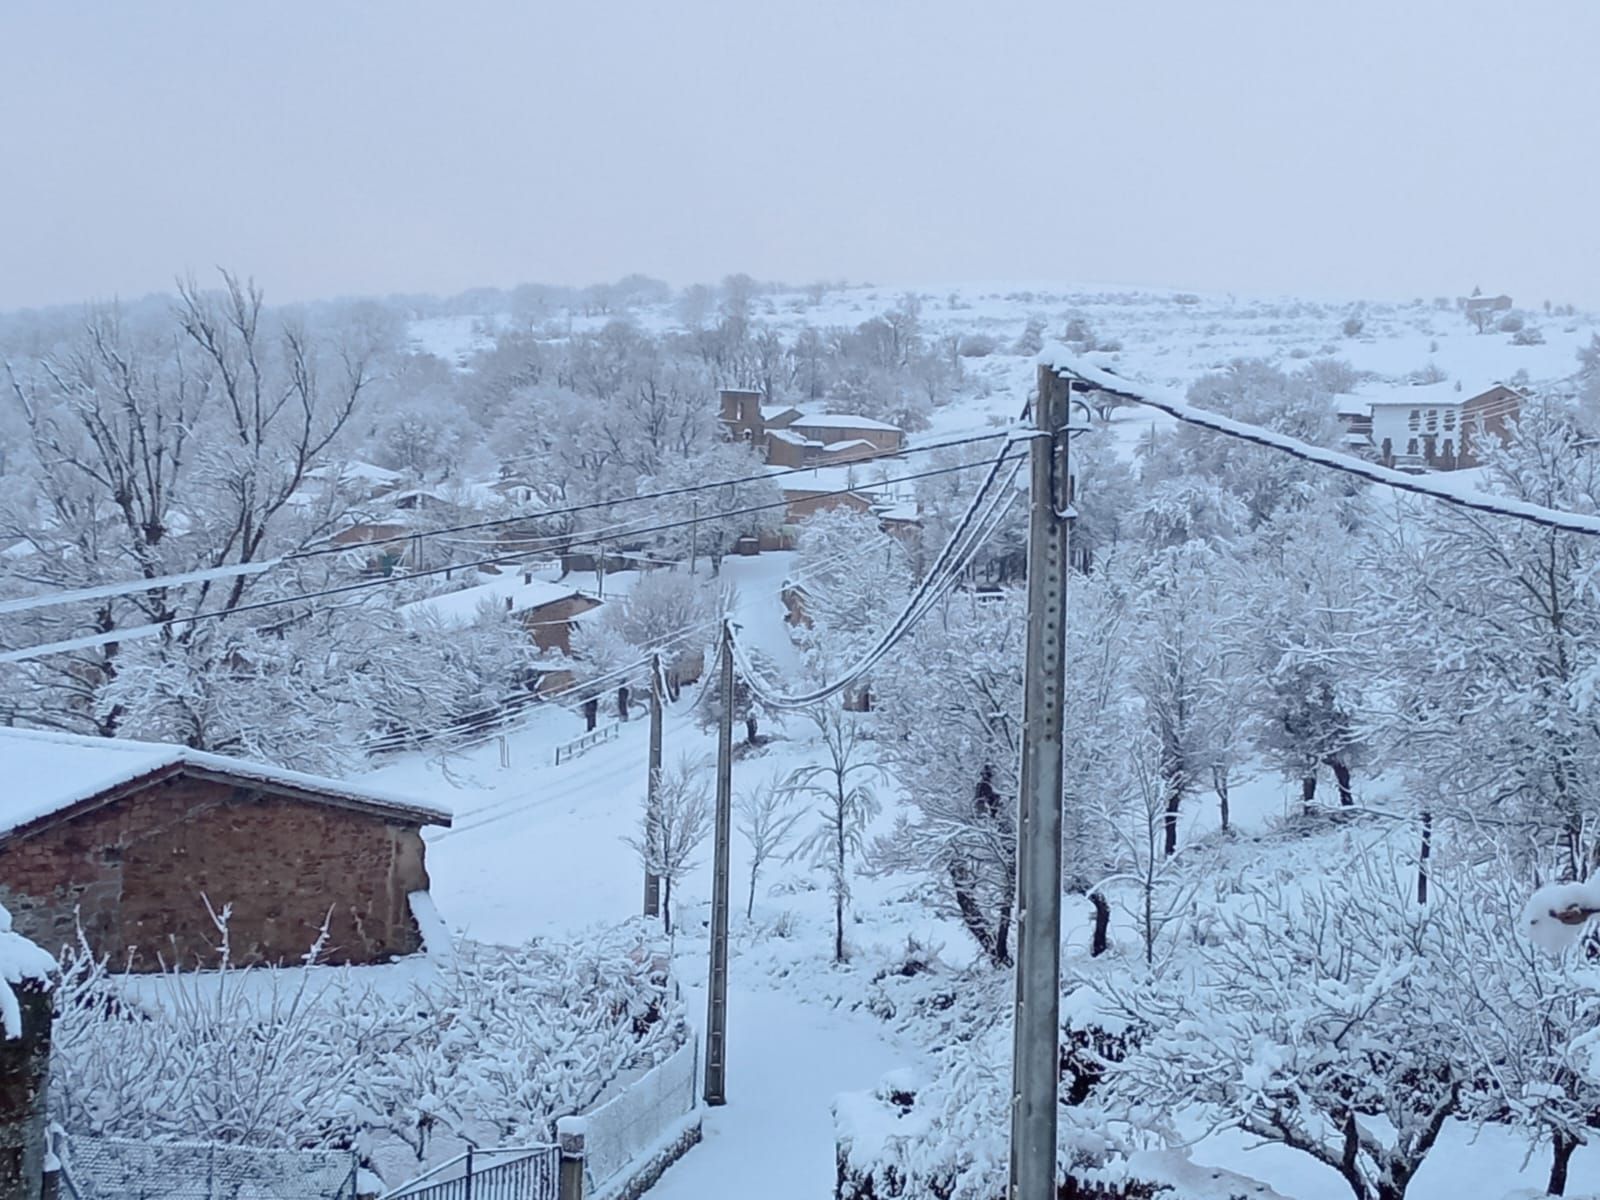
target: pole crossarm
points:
(1090, 375)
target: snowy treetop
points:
(20, 961)
(48, 772)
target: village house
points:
(545, 609)
(132, 841)
(1429, 427)
(786, 437)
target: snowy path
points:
(787, 1059)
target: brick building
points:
(134, 839)
(786, 437)
(545, 609)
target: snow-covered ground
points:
(538, 849)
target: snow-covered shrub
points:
(1343, 1020)
(488, 1047)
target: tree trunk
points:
(1000, 955)
(1565, 1144)
(1308, 791)
(972, 915)
(1101, 941)
(666, 904)
(750, 730)
(1219, 784)
(622, 702)
(838, 928)
(1170, 823)
(1423, 856)
(750, 904)
(591, 714)
(1341, 776)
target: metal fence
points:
(122, 1169)
(568, 751)
(524, 1173)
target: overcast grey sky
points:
(1410, 147)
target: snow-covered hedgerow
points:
(486, 1049)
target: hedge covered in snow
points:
(406, 1065)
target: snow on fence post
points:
(570, 1142)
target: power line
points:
(1096, 378)
(958, 551)
(155, 628)
(211, 574)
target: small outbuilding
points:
(134, 840)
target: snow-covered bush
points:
(488, 1047)
(1339, 1018)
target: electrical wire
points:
(956, 554)
(132, 586)
(155, 628)
(1072, 367)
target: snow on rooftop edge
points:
(51, 771)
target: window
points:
(1449, 419)
(1433, 418)
(1411, 447)
(1416, 419)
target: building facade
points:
(141, 844)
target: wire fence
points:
(123, 1169)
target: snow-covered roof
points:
(794, 439)
(842, 421)
(460, 609)
(771, 412)
(1444, 394)
(47, 773)
(355, 469)
(834, 447)
(856, 476)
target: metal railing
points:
(511, 1173)
(568, 751)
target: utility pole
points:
(1035, 1064)
(716, 1090)
(652, 801)
(694, 535)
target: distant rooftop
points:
(457, 610)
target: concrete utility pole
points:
(1036, 1069)
(694, 535)
(717, 986)
(652, 801)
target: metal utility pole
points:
(717, 985)
(652, 801)
(1036, 1069)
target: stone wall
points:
(140, 869)
(24, 1074)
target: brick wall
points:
(137, 868)
(549, 626)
